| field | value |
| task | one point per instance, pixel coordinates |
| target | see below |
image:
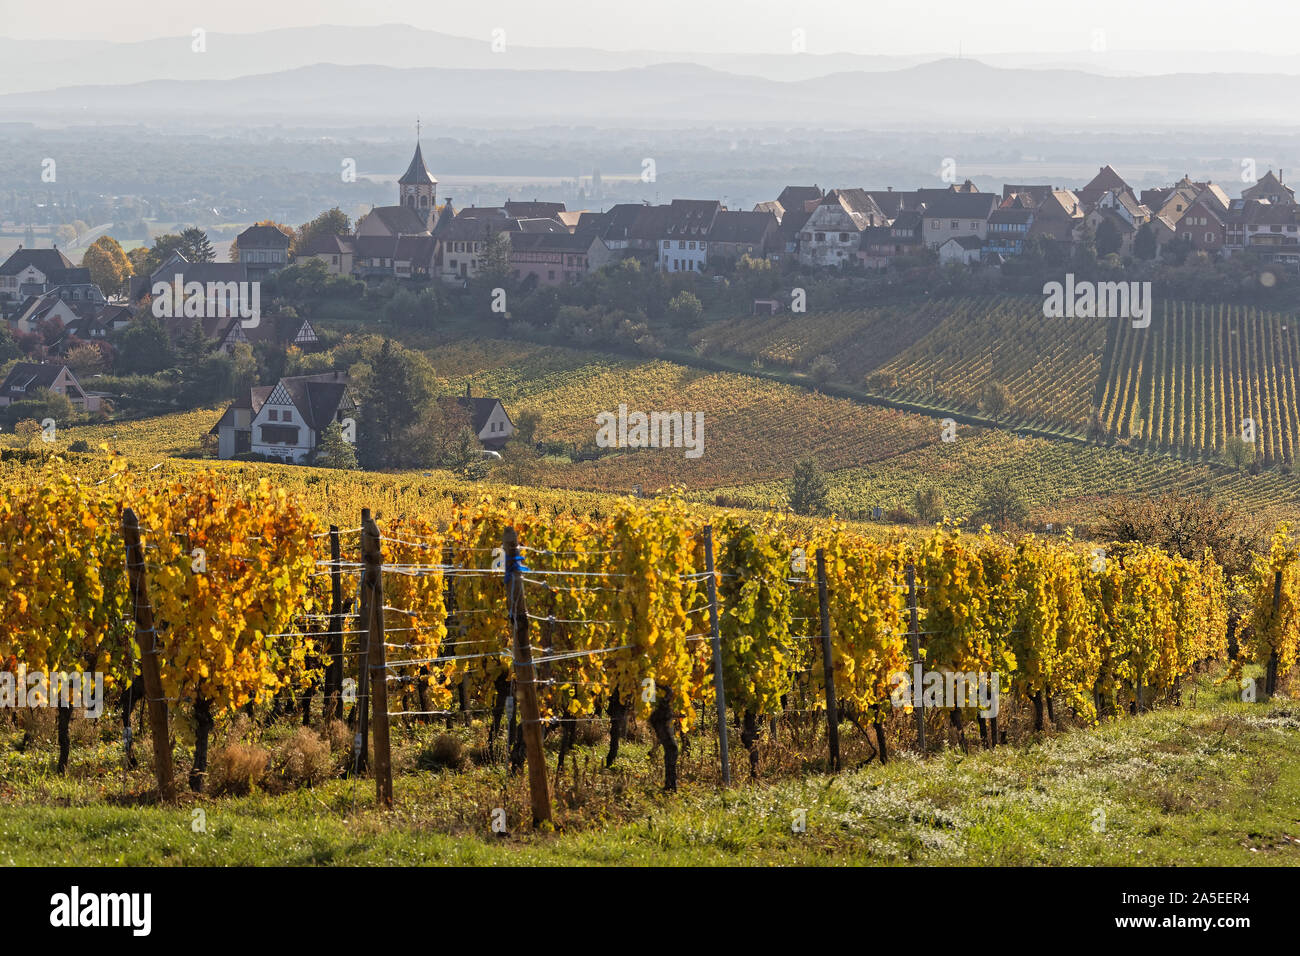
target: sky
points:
(718, 26)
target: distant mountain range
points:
(27, 65)
(958, 93)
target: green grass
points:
(1214, 784)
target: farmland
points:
(755, 431)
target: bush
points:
(445, 753)
(237, 768)
(304, 759)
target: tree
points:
(38, 406)
(494, 266)
(465, 457)
(995, 400)
(332, 222)
(822, 369)
(84, 360)
(1144, 245)
(144, 347)
(139, 259)
(808, 492)
(1002, 504)
(192, 346)
(684, 309)
(195, 245)
(8, 344)
(395, 385)
(1186, 525)
(1108, 239)
(1239, 451)
(333, 450)
(526, 424)
(928, 503)
(108, 264)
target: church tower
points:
(417, 190)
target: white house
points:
(832, 235)
(28, 272)
(487, 418)
(684, 243)
(963, 249)
(286, 420)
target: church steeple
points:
(417, 189)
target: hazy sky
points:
(857, 26)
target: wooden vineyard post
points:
(372, 585)
(828, 665)
(914, 635)
(715, 638)
(360, 743)
(1270, 675)
(539, 786)
(147, 637)
(334, 670)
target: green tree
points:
(808, 492)
(333, 450)
(332, 222)
(928, 503)
(1001, 504)
(685, 309)
(1108, 239)
(395, 385)
(526, 424)
(1144, 244)
(8, 345)
(195, 245)
(1239, 451)
(144, 347)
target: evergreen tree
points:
(808, 493)
(333, 450)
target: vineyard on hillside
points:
(233, 593)
(1187, 384)
(944, 353)
(754, 430)
(858, 341)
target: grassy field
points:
(1211, 783)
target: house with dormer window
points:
(286, 420)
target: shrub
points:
(304, 759)
(237, 768)
(445, 753)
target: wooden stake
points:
(334, 670)
(539, 785)
(719, 690)
(914, 633)
(1270, 675)
(828, 664)
(372, 585)
(360, 743)
(147, 638)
